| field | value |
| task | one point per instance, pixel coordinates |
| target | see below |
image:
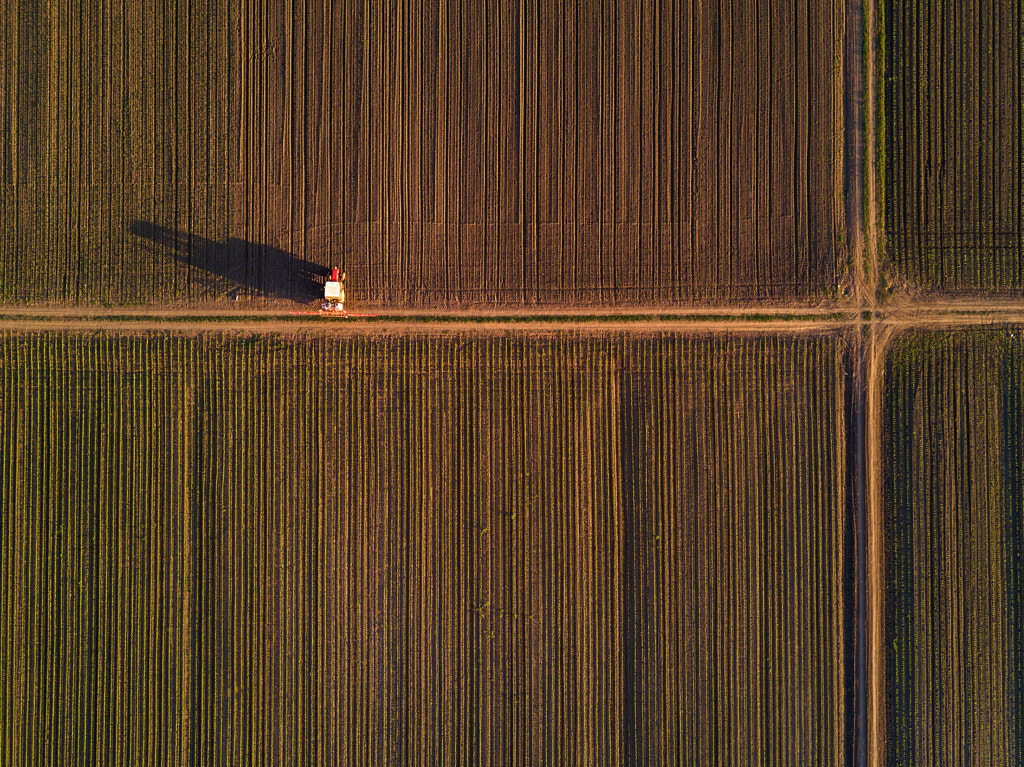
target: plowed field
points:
(562, 153)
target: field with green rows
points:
(459, 549)
(953, 135)
(954, 549)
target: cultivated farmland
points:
(953, 137)
(954, 641)
(472, 549)
(483, 152)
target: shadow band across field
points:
(252, 268)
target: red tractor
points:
(334, 299)
(334, 294)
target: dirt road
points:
(879, 319)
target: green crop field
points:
(954, 89)
(458, 549)
(954, 641)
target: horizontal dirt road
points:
(774, 319)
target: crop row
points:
(480, 549)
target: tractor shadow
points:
(247, 267)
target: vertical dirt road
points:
(877, 341)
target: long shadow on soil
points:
(250, 267)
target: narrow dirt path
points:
(875, 328)
(873, 465)
(871, 169)
(905, 314)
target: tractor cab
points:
(334, 293)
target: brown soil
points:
(478, 153)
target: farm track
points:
(878, 319)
